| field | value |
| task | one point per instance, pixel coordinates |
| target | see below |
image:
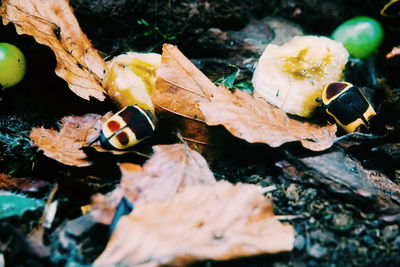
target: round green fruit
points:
(360, 35)
(12, 65)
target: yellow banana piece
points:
(293, 75)
(130, 79)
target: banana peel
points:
(293, 75)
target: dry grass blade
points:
(210, 221)
(52, 23)
(66, 145)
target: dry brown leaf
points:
(25, 185)
(180, 85)
(66, 145)
(256, 121)
(395, 52)
(210, 221)
(184, 90)
(52, 23)
(170, 169)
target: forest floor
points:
(336, 224)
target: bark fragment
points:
(342, 174)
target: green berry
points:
(12, 65)
(360, 35)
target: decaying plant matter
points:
(182, 89)
(170, 169)
(174, 209)
(53, 23)
(210, 221)
(66, 145)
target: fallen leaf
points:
(184, 90)
(52, 23)
(170, 169)
(180, 86)
(256, 121)
(66, 145)
(342, 174)
(390, 9)
(207, 221)
(395, 52)
(22, 184)
(103, 207)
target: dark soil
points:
(333, 228)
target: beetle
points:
(127, 127)
(347, 105)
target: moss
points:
(17, 155)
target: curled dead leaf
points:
(395, 52)
(52, 23)
(180, 86)
(184, 90)
(254, 120)
(391, 9)
(170, 169)
(66, 145)
(217, 221)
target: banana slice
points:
(131, 78)
(293, 75)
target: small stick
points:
(38, 232)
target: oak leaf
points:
(66, 145)
(184, 90)
(207, 221)
(52, 23)
(170, 169)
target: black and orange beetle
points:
(127, 127)
(347, 105)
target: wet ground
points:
(332, 228)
